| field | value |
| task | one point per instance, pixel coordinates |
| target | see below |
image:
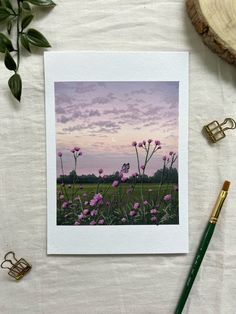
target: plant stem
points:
(18, 36)
(154, 150)
(74, 177)
(138, 161)
(63, 176)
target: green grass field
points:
(117, 203)
(149, 189)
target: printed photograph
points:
(117, 153)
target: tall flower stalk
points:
(127, 199)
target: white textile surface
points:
(117, 284)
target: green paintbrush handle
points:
(195, 266)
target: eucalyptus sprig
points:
(18, 13)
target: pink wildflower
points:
(85, 211)
(167, 197)
(76, 148)
(72, 150)
(77, 223)
(164, 158)
(101, 221)
(140, 144)
(142, 167)
(81, 216)
(132, 213)
(135, 174)
(171, 153)
(65, 204)
(136, 205)
(158, 205)
(124, 179)
(93, 222)
(149, 141)
(134, 143)
(94, 212)
(157, 142)
(59, 154)
(145, 203)
(61, 197)
(153, 219)
(115, 183)
(98, 196)
(153, 211)
(144, 142)
(93, 202)
(100, 171)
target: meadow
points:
(128, 200)
(118, 206)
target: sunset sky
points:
(104, 118)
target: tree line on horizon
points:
(170, 175)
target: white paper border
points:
(116, 66)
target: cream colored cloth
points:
(117, 284)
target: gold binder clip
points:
(17, 268)
(216, 130)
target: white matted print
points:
(117, 152)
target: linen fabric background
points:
(117, 284)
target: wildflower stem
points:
(146, 158)
(138, 161)
(162, 175)
(63, 177)
(169, 172)
(154, 150)
(99, 182)
(107, 189)
(74, 177)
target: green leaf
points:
(9, 61)
(36, 38)
(26, 6)
(15, 85)
(26, 21)
(9, 27)
(5, 43)
(42, 3)
(8, 4)
(4, 14)
(24, 42)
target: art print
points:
(117, 152)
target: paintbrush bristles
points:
(226, 186)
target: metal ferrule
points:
(217, 208)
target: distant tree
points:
(168, 176)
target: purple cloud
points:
(99, 126)
(114, 111)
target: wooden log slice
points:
(215, 21)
